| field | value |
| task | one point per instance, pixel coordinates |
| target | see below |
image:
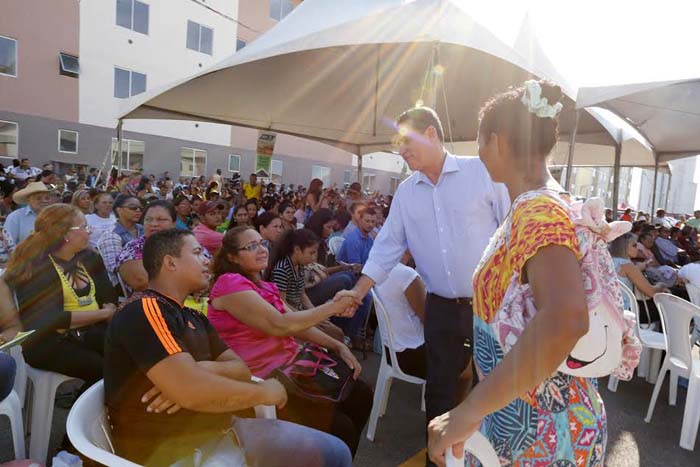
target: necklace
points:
(82, 301)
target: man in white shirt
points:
(24, 171)
(444, 214)
(661, 219)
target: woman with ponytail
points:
(64, 294)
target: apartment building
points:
(66, 67)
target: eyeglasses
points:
(253, 247)
(86, 227)
(132, 208)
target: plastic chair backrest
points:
(634, 306)
(334, 244)
(676, 315)
(20, 386)
(693, 293)
(88, 428)
(385, 330)
(478, 446)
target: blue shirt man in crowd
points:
(358, 243)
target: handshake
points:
(346, 303)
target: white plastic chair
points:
(676, 315)
(694, 294)
(334, 244)
(653, 342)
(12, 407)
(387, 372)
(478, 446)
(89, 430)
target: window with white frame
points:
(128, 83)
(68, 141)
(347, 178)
(280, 8)
(131, 157)
(234, 163)
(200, 38)
(277, 168)
(9, 136)
(322, 173)
(394, 183)
(8, 56)
(133, 15)
(368, 181)
(68, 65)
(193, 162)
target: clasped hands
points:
(349, 300)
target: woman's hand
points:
(450, 430)
(109, 309)
(349, 358)
(347, 301)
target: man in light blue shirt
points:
(20, 223)
(358, 242)
(444, 214)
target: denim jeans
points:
(8, 369)
(326, 290)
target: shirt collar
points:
(29, 211)
(450, 165)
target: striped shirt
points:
(289, 280)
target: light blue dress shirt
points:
(20, 223)
(446, 226)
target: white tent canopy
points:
(339, 74)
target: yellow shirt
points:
(71, 301)
(251, 191)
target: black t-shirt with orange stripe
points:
(141, 334)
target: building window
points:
(322, 173)
(200, 38)
(131, 157)
(8, 56)
(394, 184)
(234, 163)
(128, 83)
(68, 141)
(133, 15)
(368, 182)
(280, 8)
(68, 65)
(9, 132)
(277, 168)
(193, 162)
(240, 43)
(347, 178)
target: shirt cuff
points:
(374, 272)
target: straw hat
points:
(32, 188)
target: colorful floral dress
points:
(561, 422)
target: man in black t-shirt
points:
(171, 384)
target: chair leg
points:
(42, 418)
(643, 368)
(422, 398)
(612, 383)
(654, 365)
(379, 390)
(657, 388)
(691, 415)
(385, 400)
(14, 412)
(673, 387)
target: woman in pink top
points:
(210, 214)
(252, 319)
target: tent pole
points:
(572, 145)
(120, 138)
(668, 190)
(359, 164)
(616, 177)
(656, 176)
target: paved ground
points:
(399, 436)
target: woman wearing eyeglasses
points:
(128, 210)
(64, 294)
(251, 317)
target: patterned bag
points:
(610, 346)
(317, 375)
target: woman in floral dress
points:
(533, 415)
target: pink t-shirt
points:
(208, 238)
(261, 352)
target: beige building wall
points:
(42, 29)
